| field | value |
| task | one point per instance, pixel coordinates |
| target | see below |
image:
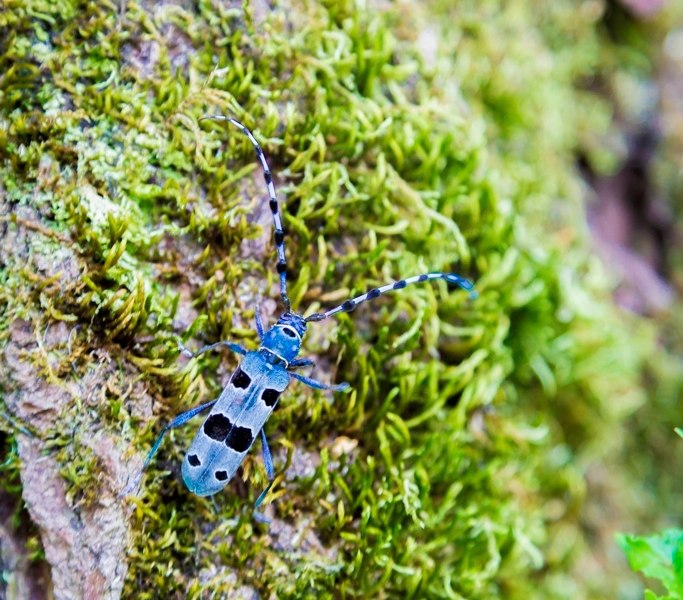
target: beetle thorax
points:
(284, 338)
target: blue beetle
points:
(239, 414)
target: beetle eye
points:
(288, 331)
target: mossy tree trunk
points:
(403, 138)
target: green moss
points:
(469, 419)
(27, 543)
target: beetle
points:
(239, 414)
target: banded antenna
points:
(349, 305)
(274, 208)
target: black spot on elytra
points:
(270, 396)
(221, 475)
(194, 461)
(217, 427)
(240, 379)
(240, 439)
(373, 293)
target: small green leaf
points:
(658, 556)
